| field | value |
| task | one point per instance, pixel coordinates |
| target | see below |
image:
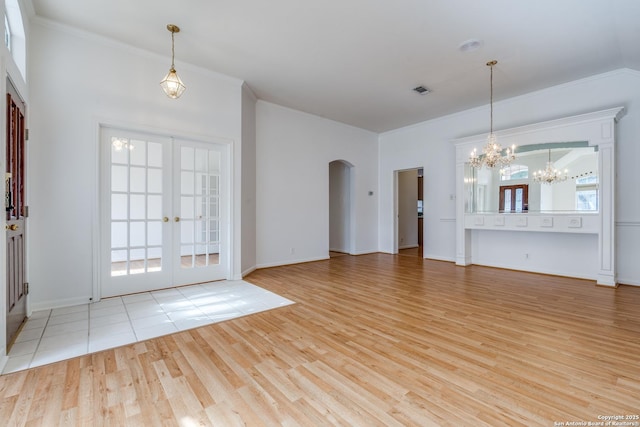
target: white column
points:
(606, 176)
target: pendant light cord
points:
(491, 64)
(172, 49)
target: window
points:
(514, 198)
(513, 172)
(7, 32)
(587, 193)
(14, 35)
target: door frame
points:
(230, 152)
(396, 207)
(348, 216)
(17, 87)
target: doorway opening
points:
(409, 209)
(341, 221)
(16, 214)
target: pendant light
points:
(492, 151)
(171, 84)
(550, 175)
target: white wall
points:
(78, 81)
(294, 150)
(428, 143)
(408, 209)
(427, 146)
(530, 251)
(248, 208)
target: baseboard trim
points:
(364, 253)
(298, 261)
(249, 271)
(3, 362)
(408, 246)
(49, 305)
(439, 258)
(342, 251)
(539, 271)
(601, 285)
(628, 282)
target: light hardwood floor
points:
(373, 340)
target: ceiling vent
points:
(470, 45)
(421, 90)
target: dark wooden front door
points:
(15, 211)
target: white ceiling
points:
(356, 61)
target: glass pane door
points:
(519, 204)
(201, 215)
(138, 240)
(136, 206)
(507, 200)
(163, 212)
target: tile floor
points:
(62, 333)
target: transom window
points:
(513, 172)
(14, 35)
(7, 32)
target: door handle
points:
(12, 227)
(176, 219)
(165, 219)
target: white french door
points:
(164, 209)
(200, 225)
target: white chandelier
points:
(492, 151)
(550, 175)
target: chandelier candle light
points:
(550, 175)
(492, 151)
(171, 84)
(120, 144)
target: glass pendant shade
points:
(172, 85)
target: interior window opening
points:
(513, 172)
(587, 193)
(7, 32)
(14, 35)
